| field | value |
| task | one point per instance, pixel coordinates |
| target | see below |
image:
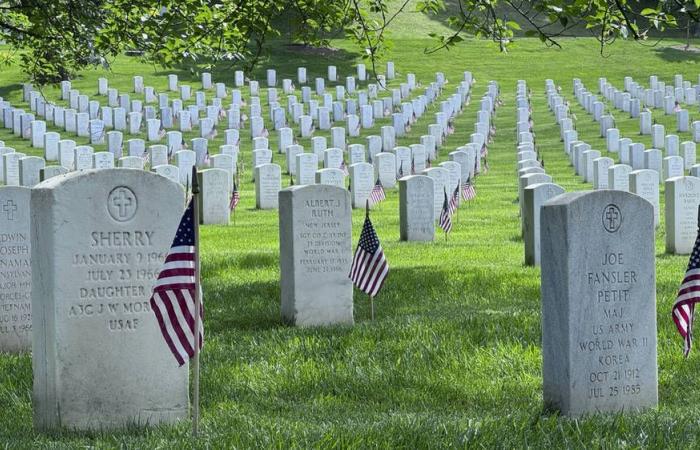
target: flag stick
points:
(197, 305)
(371, 299)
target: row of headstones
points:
(124, 192)
(535, 186)
(464, 164)
(634, 154)
(657, 95)
(75, 119)
(623, 102)
(599, 324)
(115, 227)
(83, 157)
(115, 138)
(599, 337)
(134, 109)
(88, 119)
(216, 183)
(641, 171)
(413, 158)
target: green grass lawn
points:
(454, 355)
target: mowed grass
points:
(453, 357)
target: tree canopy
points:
(56, 38)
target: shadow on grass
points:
(675, 54)
(282, 56)
(6, 91)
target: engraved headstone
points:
(29, 170)
(10, 168)
(385, 169)
(645, 183)
(51, 140)
(98, 242)
(682, 197)
(268, 182)
(168, 171)
(331, 177)
(441, 178)
(52, 171)
(416, 214)
(215, 195)
(534, 196)
(15, 270)
(598, 303)
(315, 229)
(673, 167)
(306, 167)
(361, 182)
(600, 172)
(619, 177)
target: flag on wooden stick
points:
(377, 195)
(454, 200)
(369, 265)
(235, 197)
(446, 216)
(173, 297)
(468, 190)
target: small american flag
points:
(377, 195)
(235, 198)
(173, 297)
(446, 216)
(146, 157)
(369, 265)
(344, 168)
(454, 200)
(413, 166)
(688, 295)
(484, 150)
(401, 169)
(468, 190)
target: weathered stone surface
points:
(99, 238)
(417, 217)
(268, 182)
(216, 185)
(619, 177)
(682, 197)
(15, 270)
(534, 196)
(598, 303)
(315, 255)
(645, 183)
(361, 183)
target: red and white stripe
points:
(173, 302)
(368, 271)
(684, 307)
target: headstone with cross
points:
(103, 236)
(598, 303)
(15, 270)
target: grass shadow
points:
(282, 55)
(676, 54)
